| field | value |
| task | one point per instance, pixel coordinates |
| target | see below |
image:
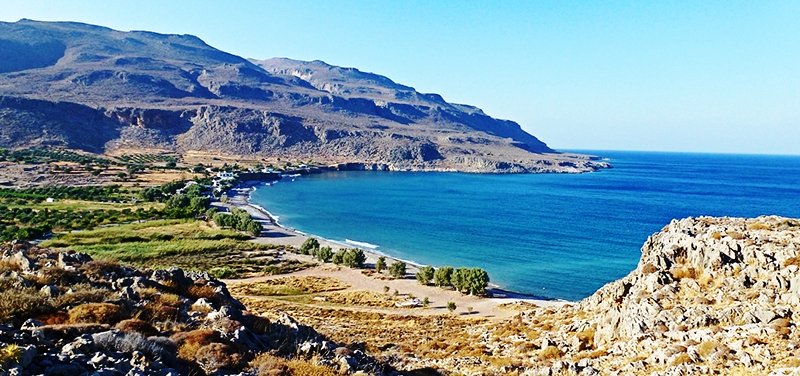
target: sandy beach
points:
(274, 233)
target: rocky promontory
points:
(710, 296)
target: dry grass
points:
(290, 286)
(100, 313)
(189, 343)
(759, 226)
(550, 352)
(681, 359)
(681, 272)
(361, 298)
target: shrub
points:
(137, 326)
(298, 367)
(8, 355)
(380, 265)
(101, 313)
(222, 272)
(128, 343)
(324, 254)
(338, 257)
(451, 306)
(189, 343)
(269, 365)
(217, 356)
(18, 303)
(425, 275)
(397, 269)
(309, 245)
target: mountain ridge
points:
(176, 92)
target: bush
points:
(380, 265)
(101, 313)
(324, 254)
(338, 257)
(189, 343)
(18, 303)
(266, 364)
(222, 272)
(425, 275)
(309, 245)
(137, 326)
(397, 269)
(217, 356)
(451, 306)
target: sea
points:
(554, 236)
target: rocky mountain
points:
(101, 90)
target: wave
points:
(361, 244)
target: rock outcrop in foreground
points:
(710, 296)
(65, 314)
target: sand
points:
(274, 233)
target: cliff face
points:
(709, 296)
(97, 89)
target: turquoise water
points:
(554, 236)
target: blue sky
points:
(708, 76)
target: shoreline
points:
(276, 232)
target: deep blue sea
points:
(552, 235)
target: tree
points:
(354, 258)
(380, 265)
(338, 257)
(470, 281)
(397, 269)
(425, 275)
(308, 245)
(451, 306)
(325, 254)
(442, 276)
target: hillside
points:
(64, 313)
(105, 91)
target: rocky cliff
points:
(710, 296)
(102, 90)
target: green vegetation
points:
(238, 219)
(441, 277)
(353, 257)
(425, 275)
(451, 306)
(309, 246)
(324, 254)
(111, 193)
(380, 265)
(149, 158)
(190, 244)
(26, 213)
(37, 156)
(470, 281)
(397, 269)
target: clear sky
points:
(709, 76)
